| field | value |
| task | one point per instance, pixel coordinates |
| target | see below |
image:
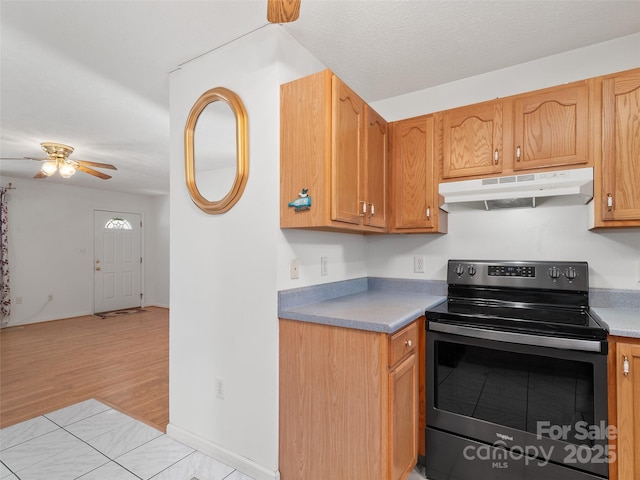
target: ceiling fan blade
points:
(24, 158)
(95, 164)
(283, 11)
(93, 172)
(40, 175)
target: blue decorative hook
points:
(302, 203)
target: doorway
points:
(117, 261)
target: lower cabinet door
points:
(628, 384)
(403, 408)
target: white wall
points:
(156, 267)
(542, 233)
(224, 268)
(51, 247)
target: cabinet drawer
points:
(403, 343)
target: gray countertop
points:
(387, 305)
(623, 322)
(375, 310)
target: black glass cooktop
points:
(562, 321)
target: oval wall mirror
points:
(216, 150)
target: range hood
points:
(561, 187)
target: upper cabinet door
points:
(376, 168)
(347, 164)
(412, 174)
(621, 147)
(472, 140)
(551, 127)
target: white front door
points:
(117, 261)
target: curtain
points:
(5, 294)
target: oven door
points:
(510, 410)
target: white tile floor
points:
(417, 474)
(90, 441)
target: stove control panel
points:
(511, 271)
(538, 274)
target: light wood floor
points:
(121, 361)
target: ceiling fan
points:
(58, 161)
(283, 11)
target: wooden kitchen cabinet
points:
(628, 420)
(414, 177)
(624, 398)
(404, 426)
(544, 129)
(616, 200)
(376, 169)
(472, 140)
(329, 146)
(348, 402)
(551, 127)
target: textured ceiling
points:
(95, 74)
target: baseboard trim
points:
(243, 464)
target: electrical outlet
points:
(220, 388)
(418, 264)
(294, 269)
(324, 266)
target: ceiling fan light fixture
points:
(49, 168)
(58, 161)
(66, 170)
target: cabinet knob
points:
(363, 210)
(428, 213)
(609, 202)
(408, 343)
(625, 366)
(518, 153)
(496, 156)
(372, 210)
(98, 269)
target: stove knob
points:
(472, 270)
(459, 270)
(554, 273)
(570, 273)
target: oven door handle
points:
(520, 338)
